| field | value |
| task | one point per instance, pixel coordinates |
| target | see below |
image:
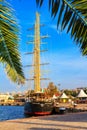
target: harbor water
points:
(11, 112)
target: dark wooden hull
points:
(38, 108)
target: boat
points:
(38, 103)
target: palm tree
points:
(72, 15)
(9, 38)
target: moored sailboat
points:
(38, 103)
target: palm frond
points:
(9, 39)
(39, 2)
(13, 76)
(72, 15)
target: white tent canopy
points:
(54, 97)
(82, 94)
(64, 96)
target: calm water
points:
(11, 112)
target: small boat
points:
(38, 103)
(59, 110)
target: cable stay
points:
(43, 50)
(33, 28)
(32, 42)
(27, 53)
(36, 65)
(40, 79)
(42, 37)
(46, 36)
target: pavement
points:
(68, 121)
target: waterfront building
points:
(6, 98)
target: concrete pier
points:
(69, 121)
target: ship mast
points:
(37, 64)
(37, 54)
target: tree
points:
(52, 89)
(72, 15)
(70, 92)
(9, 39)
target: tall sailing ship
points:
(38, 103)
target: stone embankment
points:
(11, 104)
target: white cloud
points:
(58, 30)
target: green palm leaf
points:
(9, 54)
(72, 15)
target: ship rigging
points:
(38, 103)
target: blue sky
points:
(67, 65)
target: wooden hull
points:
(38, 108)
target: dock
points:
(69, 121)
(12, 103)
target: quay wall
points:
(12, 104)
